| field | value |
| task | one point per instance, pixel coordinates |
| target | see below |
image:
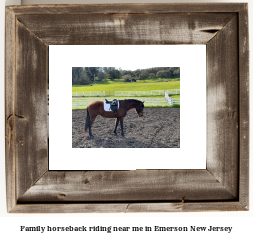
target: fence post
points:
(76, 94)
(157, 102)
(76, 104)
(83, 93)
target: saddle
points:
(113, 106)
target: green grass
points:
(141, 85)
(120, 85)
(175, 96)
(175, 105)
(80, 108)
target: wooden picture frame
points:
(222, 186)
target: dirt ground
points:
(158, 128)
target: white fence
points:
(126, 93)
(146, 93)
(80, 103)
(171, 100)
(89, 94)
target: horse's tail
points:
(87, 123)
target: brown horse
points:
(97, 108)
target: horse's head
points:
(139, 109)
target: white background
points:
(192, 151)
(9, 223)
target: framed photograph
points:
(171, 152)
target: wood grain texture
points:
(9, 108)
(223, 186)
(155, 8)
(186, 207)
(222, 107)
(129, 207)
(244, 106)
(140, 185)
(118, 29)
(30, 108)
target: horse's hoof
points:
(115, 133)
(123, 135)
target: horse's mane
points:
(132, 100)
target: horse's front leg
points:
(121, 124)
(116, 125)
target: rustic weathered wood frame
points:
(222, 186)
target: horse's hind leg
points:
(90, 134)
(91, 122)
(116, 125)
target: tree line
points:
(87, 75)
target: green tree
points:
(76, 74)
(101, 76)
(163, 74)
(176, 72)
(92, 72)
(126, 77)
(144, 74)
(105, 69)
(137, 73)
(114, 74)
(151, 75)
(84, 79)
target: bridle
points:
(139, 108)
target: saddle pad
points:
(107, 107)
